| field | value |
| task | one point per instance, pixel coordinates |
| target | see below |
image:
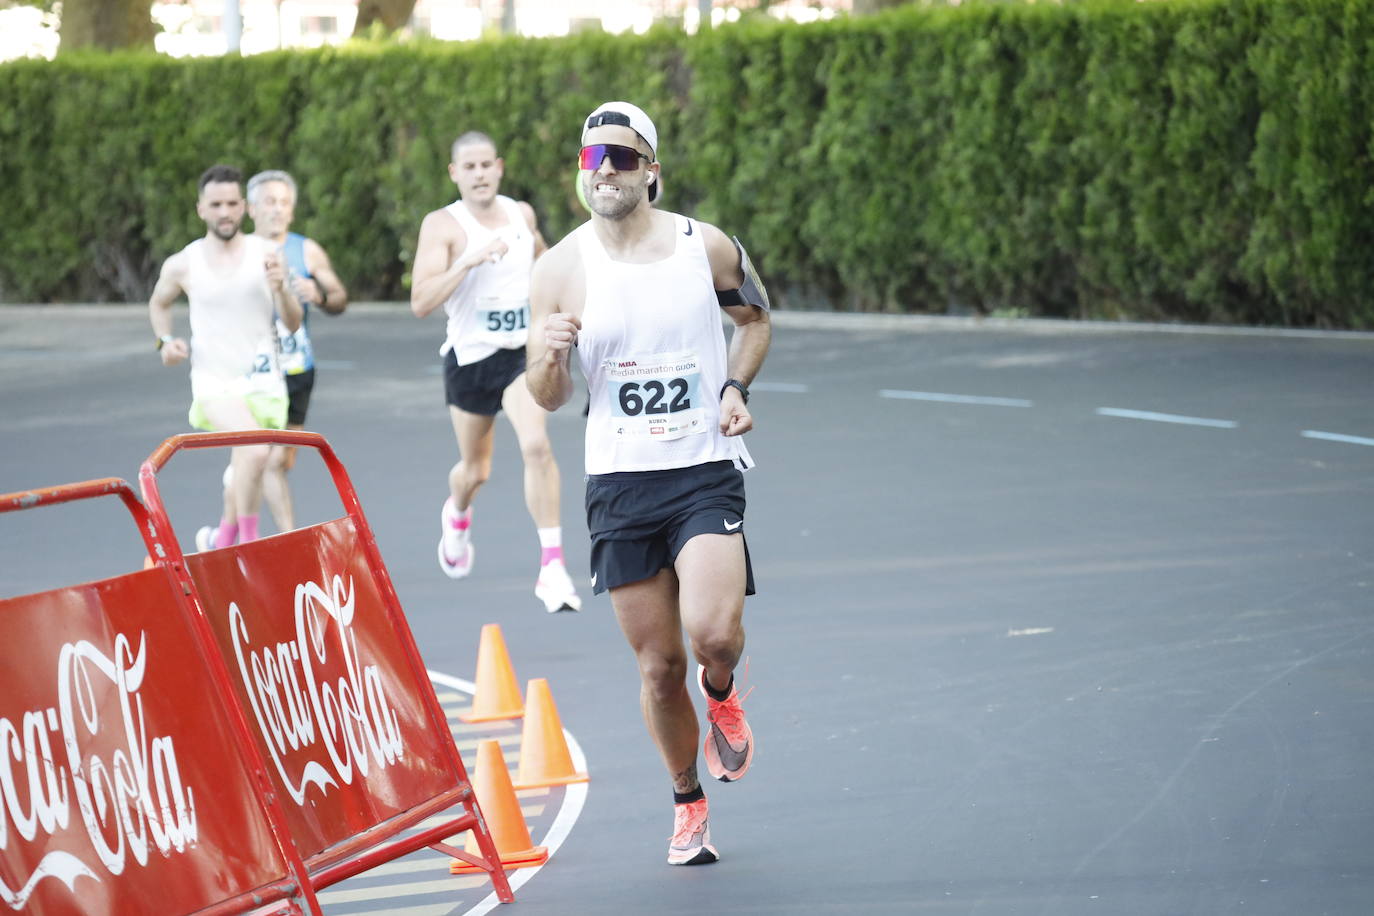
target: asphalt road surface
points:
(1052, 619)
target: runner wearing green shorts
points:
(235, 285)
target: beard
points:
(225, 234)
(617, 208)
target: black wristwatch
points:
(738, 385)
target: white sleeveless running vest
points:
(490, 309)
(653, 351)
(233, 332)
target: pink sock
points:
(248, 528)
(459, 520)
(226, 534)
(549, 554)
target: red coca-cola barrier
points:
(129, 779)
(323, 663)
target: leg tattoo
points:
(686, 781)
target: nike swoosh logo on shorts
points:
(593, 580)
(688, 230)
(730, 527)
(730, 758)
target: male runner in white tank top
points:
(272, 207)
(634, 291)
(235, 284)
(473, 258)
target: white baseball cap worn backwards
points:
(624, 114)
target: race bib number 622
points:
(655, 396)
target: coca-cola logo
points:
(323, 714)
(130, 801)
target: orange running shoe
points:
(729, 745)
(690, 843)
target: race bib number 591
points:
(656, 396)
(502, 322)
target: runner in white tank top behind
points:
(638, 292)
(235, 284)
(272, 207)
(473, 259)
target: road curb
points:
(838, 321)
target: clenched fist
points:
(560, 331)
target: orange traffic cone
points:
(501, 811)
(544, 757)
(498, 693)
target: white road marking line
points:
(1336, 437)
(1030, 631)
(446, 884)
(784, 387)
(575, 796)
(1164, 417)
(954, 398)
(426, 909)
(484, 729)
(433, 863)
(507, 742)
(529, 810)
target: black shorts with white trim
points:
(640, 520)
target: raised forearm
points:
(160, 316)
(288, 307)
(749, 346)
(431, 292)
(334, 296)
(549, 380)
(165, 293)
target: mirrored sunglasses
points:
(623, 158)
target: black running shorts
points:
(298, 388)
(477, 387)
(639, 520)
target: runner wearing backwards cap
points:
(637, 291)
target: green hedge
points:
(1202, 160)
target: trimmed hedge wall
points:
(1200, 160)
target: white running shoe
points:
(555, 588)
(205, 538)
(455, 546)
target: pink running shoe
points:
(729, 745)
(690, 843)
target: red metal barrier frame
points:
(263, 827)
(373, 845)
